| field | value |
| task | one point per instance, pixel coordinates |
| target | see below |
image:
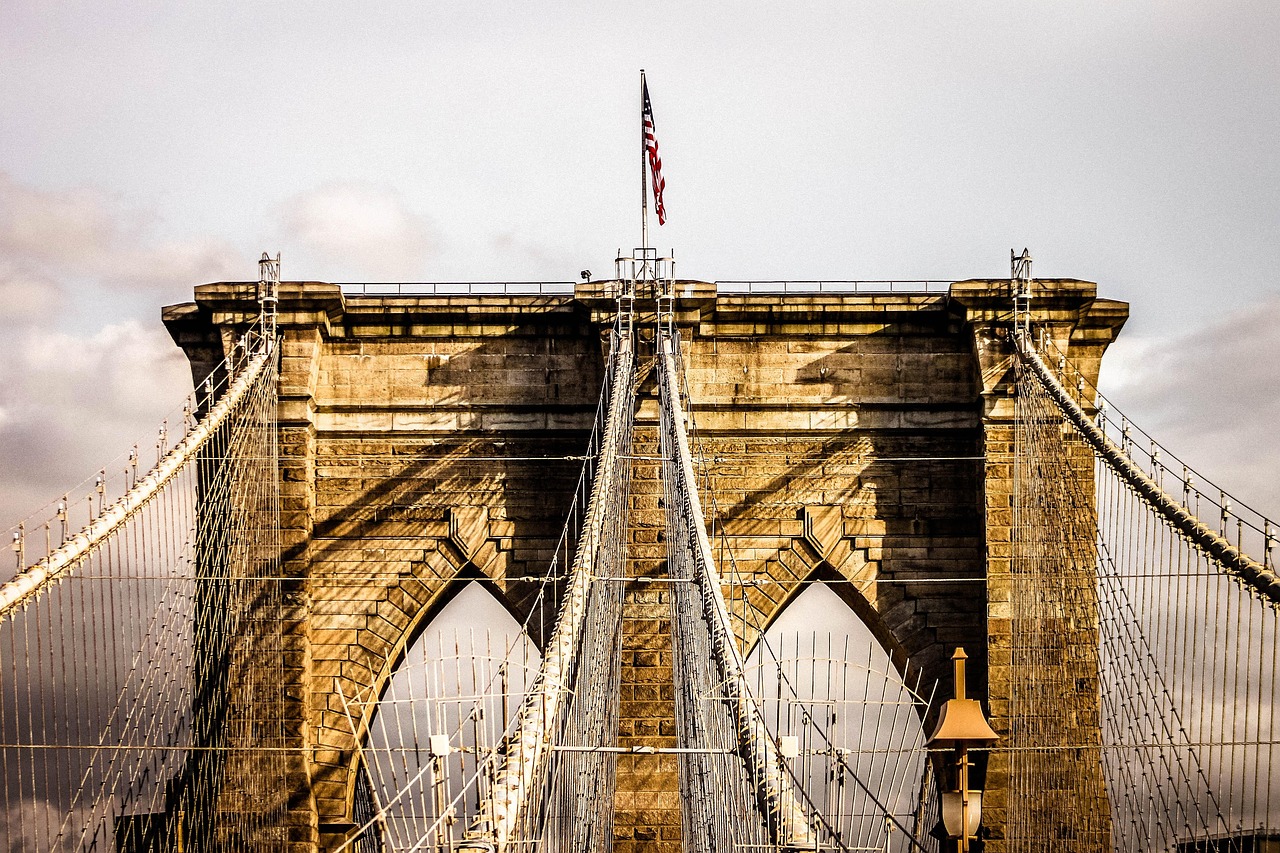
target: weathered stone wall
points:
(1081, 327)
(418, 446)
(844, 443)
(851, 440)
(647, 800)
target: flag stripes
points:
(655, 160)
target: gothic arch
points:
(849, 580)
(876, 570)
(368, 639)
(428, 619)
(848, 591)
(465, 575)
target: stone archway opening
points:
(445, 707)
(839, 704)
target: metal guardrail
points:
(905, 286)
(565, 288)
(1249, 531)
(459, 288)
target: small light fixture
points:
(585, 275)
(961, 724)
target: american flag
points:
(655, 160)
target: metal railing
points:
(906, 286)
(1250, 532)
(459, 288)
(566, 288)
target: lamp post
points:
(962, 724)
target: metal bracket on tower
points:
(626, 294)
(644, 275)
(665, 290)
(269, 292)
(1020, 278)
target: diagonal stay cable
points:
(673, 372)
(66, 558)
(532, 737)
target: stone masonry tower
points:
(859, 439)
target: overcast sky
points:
(146, 147)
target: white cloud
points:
(72, 402)
(33, 824)
(78, 234)
(82, 375)
(58, 227)
(362, 228)
(1212, 397)
(28, 296)
(175, 267)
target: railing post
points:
(1270, 539)
(1183, 517)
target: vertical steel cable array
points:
(1187, 623)
(234, 779)
(1054, 638)
(141, 665)
(446, 746)
(436, 734)
(864, 767)
(584, 768)
(574, 697)
(860, 757)
(752, 800)
(140, 703)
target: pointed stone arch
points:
(851, 593)
(365, 630)
(460, 584)
(916, 619)
(845, 571)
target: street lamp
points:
(962, 724)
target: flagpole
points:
(644, 175)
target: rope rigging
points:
(142, 681)
(141, 657)
(1167, 633)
